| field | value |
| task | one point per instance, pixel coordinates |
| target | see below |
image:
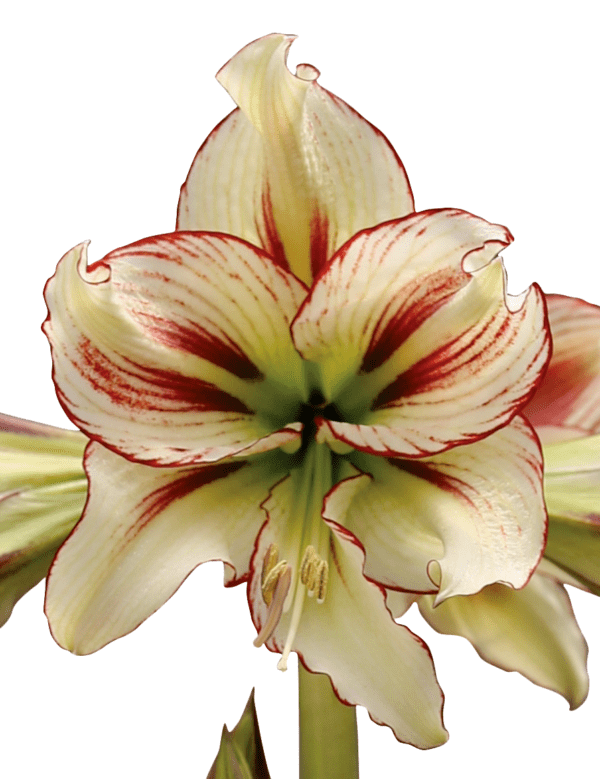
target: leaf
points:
(241, 754)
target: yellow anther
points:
(323, 578)
(269, 562)
(314, 573)
(271, 579)
(282, 586)
(307, 566)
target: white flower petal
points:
(532, 631)
(399, 602)
(419, 346)
(223, 191)
(166, 348)
(456, 521)
(351, 636)
(297, 171)
(143, 531)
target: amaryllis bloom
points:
(533, 630)
(309, 382)
(42, 494)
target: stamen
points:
(284, 580)
(269, 562)
(323, 578)
(307, 566)
(271, 580)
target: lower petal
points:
(350, 635)
(532, 631)
(143, 531)
(450, 521)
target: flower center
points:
(316, 406)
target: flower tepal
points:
(326, 438)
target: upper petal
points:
(297, 171)
(351, 636)
(166, 348)
(569, 394)
(456, 521)
(143, 531)
(418, 344)
(533, 631)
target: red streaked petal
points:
(223, 190)
(143, 531)
(351, 636)
(297, 171)
(569, 394)
(165, 349)
(532, 631)
(417, 341)
(448, 521)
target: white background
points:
(493, 108)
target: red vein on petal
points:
(429, 473)
(151, 388)
(221, 351)
(158, 500)
(443, 365)
(269, 236)
(319, 239)
(420, 300)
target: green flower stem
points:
(328, 733)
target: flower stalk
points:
(328, 732)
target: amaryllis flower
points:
(533, 630)
(42, 494)
(309, 382)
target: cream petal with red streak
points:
(320, 173)
(165, 349)
(418, 343)
(351, 636)
(143, 531)
(569, 394)
(223, 191)
(457, 521)
(532, 631)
